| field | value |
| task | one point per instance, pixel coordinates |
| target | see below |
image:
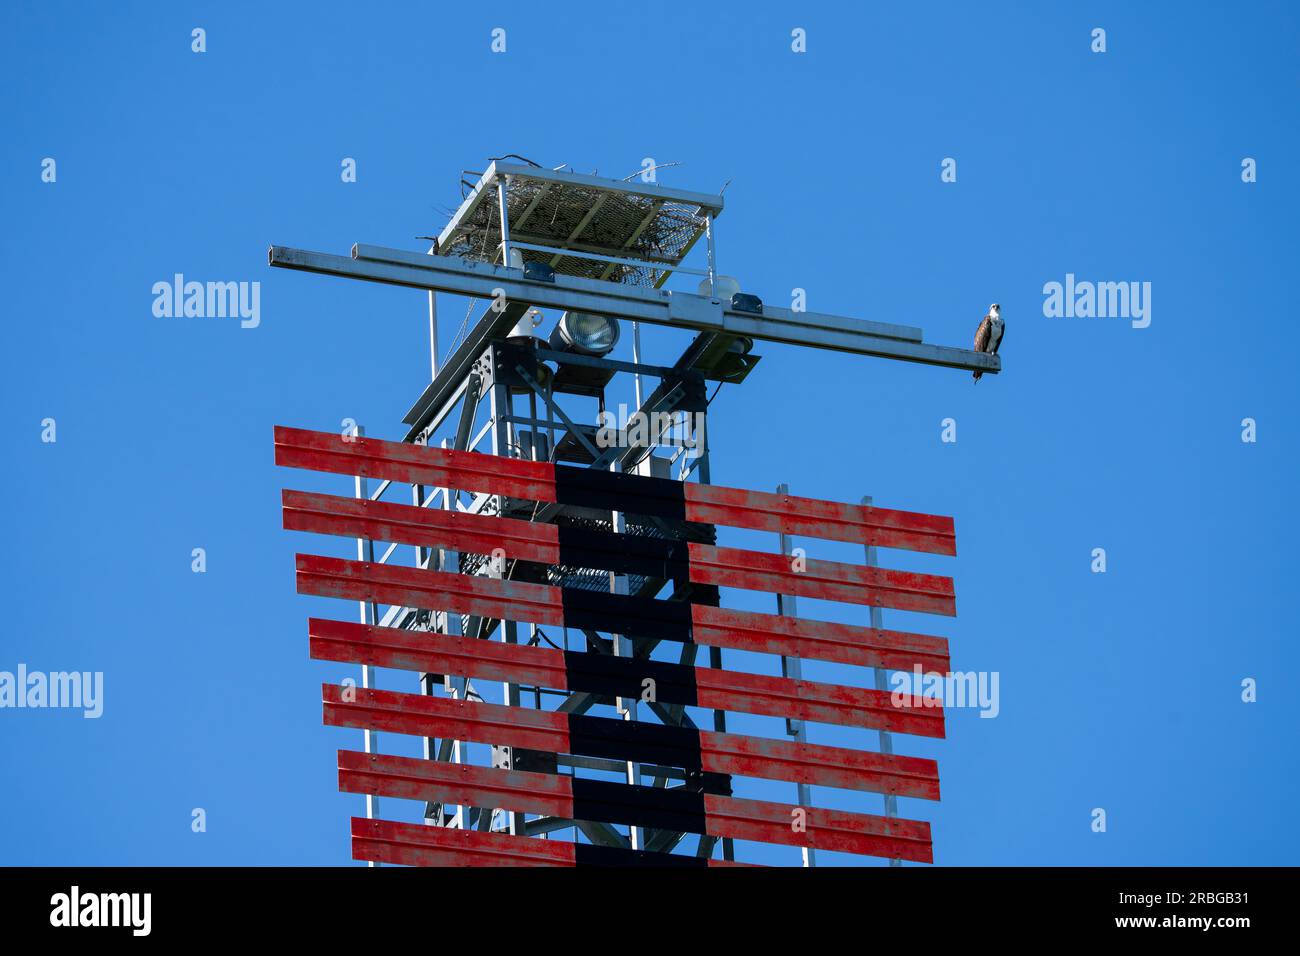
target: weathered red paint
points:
(826, 580)
(435, 590)
(459, 784)
(548, 731)
(544, 604)
(541, 604)
(819, 640)
(413, 464)
(430, 527)
(826, 829)
(411, 844)
(528, 541)
(814, 764)
(815, 518)
(715, 689)
(820, 765)
(517, 478)
(423, 716)
(808, 700)
(552, 795)
(429, 653)
(408, 844)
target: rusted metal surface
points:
(435, 590)
(410, 844)
(413, 464)
(814, 518)
(406, 844)
(704, 564)
(545, 604)
(606, 802)
(825, 829)
(457, 783)
(820, 765)
(809, 700)
(541, 481)
(707, 751)
(827, 580)
(709, 626)
(423, 716)
(819, 640)
(430, 527)
(706, 760)
(612, 676)
(426, 652)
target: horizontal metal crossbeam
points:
(634, 303)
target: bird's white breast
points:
(995, 334)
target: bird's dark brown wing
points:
(982, 335)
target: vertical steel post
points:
(457, 685)
(433, 327)
(625, 706)
(502, 444)
(636, 359)
(792, 667)
(708, 236)
(705, 477)
(505, 220)
(430, 561)
(886, 739)
(366, 552)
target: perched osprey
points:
(989, 335)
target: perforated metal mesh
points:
(587, 219)
(560, 575)
(588, 579)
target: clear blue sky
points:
(1118, 690)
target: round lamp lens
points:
(594, 334)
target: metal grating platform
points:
(584, 214)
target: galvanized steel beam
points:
(633, 303)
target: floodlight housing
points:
(586, 333)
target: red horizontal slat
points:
(712, 688)
(819, 640)
(528, 541)
(408, 844)
(834, 830)
(824, 580)
(737, 754)
(435, 590)
(819, 765)
(457, 784)
(536, 481)
(808, 700)
(543, 604)
(423, 716)
(413, 464)
(430, 527)
(411, 844)
(428, 653)
(815, 518)
(554, 795)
